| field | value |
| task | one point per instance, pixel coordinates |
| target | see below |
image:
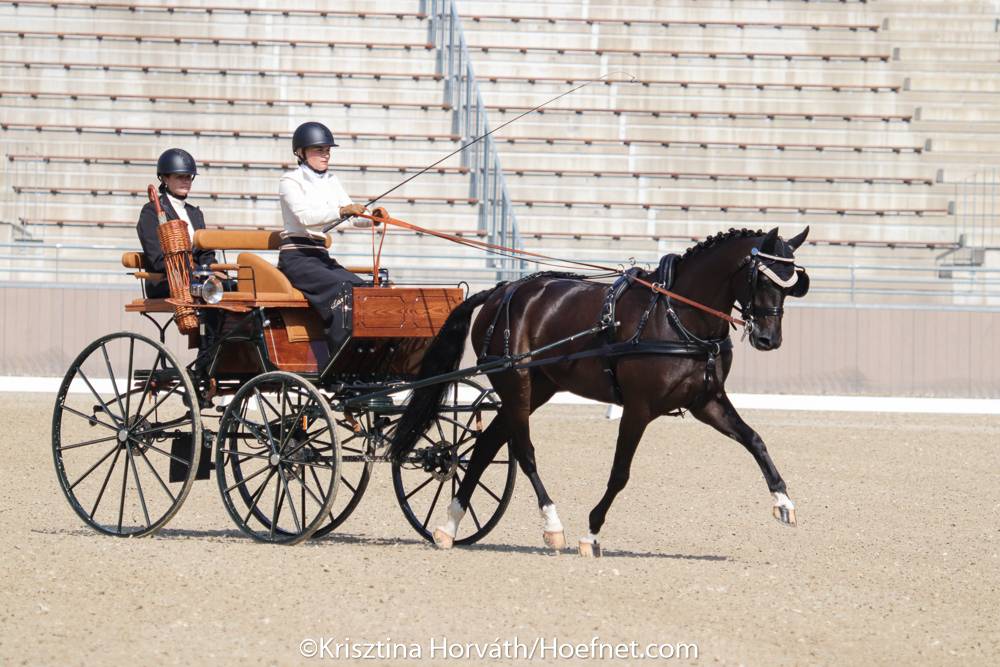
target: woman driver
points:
(311, 196)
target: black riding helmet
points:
(176, 161)
(312, 134)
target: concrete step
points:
(139, 113)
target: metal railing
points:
(469, 120)
(978, 214)
(832, 284)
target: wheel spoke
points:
(107, 477)
(485, 488)
(114, 383)
(284, 439)
(344, 480)
(263, 401)
(159, 479)
(422, 485)
(309, 440)
(314, 496)
(475, 519)
(128, 379)
(437, 494)
(260, 404)
(281, 419)
(159, 402)
(279, 497)
(93, 467)
(168, 454)
(104, 406)
(248, 478)
(248, 455)
(89, 442)
(145, 386)
(291, 504)
(90, 418)
(138, 484)
(319, 485)
(257, 495)
(121, 506)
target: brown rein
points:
(481, 245)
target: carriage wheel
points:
(124, 434)
(359, 436)
(278, 458)
(429, 478)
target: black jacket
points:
(146, 228)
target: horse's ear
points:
(798, 239)
(770, 241)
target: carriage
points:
(290, 433)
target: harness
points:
(610, 350)
(689, 344)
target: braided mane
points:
(721, 237)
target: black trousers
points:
(320, 278)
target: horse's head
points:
(768, 275)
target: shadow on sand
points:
(348, 538)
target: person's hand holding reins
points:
(351, 210)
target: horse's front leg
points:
(720, 414)
(633, 424)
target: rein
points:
(499, 249)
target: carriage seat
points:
(258, 281)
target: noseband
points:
(760, 265)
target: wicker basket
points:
(177, 262)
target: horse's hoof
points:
(443, 540)
(590, 549)
(785, 515)
(554, 539)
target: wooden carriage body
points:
(391, 326)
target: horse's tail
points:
(442, 356)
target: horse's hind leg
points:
(720, 414)
(485, 449)
(630, 429)
(487, 444)
(520, 393)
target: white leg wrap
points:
(589, 539)
(781, 500)
(551, 519)
(455, 516)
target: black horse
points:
(661, 357)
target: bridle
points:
(760, 264)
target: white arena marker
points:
(904, 404)
(958, 406)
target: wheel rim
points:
(278, 458)
(430, 478)
(123, 433)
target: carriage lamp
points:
(206, 286)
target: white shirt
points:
(309, 199)
(182, 213)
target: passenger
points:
(176, 170)
(311, 196)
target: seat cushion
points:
(258, 276)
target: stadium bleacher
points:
(856, 118)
